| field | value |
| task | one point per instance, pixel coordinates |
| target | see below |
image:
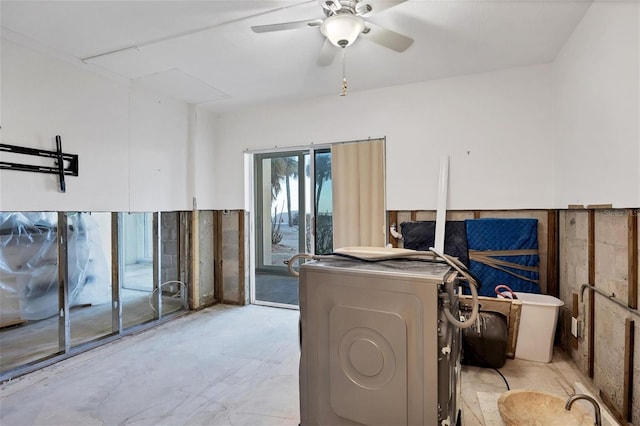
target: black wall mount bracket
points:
(59, 161)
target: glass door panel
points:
(281, 210)
(29, 301)
(31, 297)
(281, 221)
(90, 267)
(294, 214)
(323, 223)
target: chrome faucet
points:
(574, 398)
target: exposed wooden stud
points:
(157, 287)
(575, 314)
(214, 247)
(241, 265)
(414, 215)
(627, 394)
(64, 321)
(611, 406)
(477, 214)
(117, 273)
(632, 220)
(592, 280)
(599, 206)
(195, 258)
(553, 248)
(218, 285)
(392, 219)
(184, 254)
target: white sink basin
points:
(522, 407)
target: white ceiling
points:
(204, 52)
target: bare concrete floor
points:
(221, 366)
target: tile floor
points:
(220, 366)
(276, 288)
(87, 323)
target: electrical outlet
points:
(574, 327)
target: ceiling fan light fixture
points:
(342, 30)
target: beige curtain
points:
(358, 194)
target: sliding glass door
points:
(293, 204)
(70, 281)
(281, 209)
(322, 233)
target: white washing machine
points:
(376, 348)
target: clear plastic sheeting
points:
(29, 265)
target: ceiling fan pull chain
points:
(344, 73)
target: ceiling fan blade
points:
(327, 53)
(286, 26)
(386, 38)
(364, 8)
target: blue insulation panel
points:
(504, 234)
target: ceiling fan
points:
(343, 23)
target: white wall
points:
(596, 79)
(41, 98)
(496, 128)
(202, 167)
(534, 137)
(158, 149)
(133, 145)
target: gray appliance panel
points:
(422, 270)
(371, 342)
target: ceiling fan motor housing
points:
(342, 29)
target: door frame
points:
(260, 213)
(251, 158)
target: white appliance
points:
(376, 347)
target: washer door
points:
(368, 365)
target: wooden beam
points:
(591, 237)
(414, 215)
(392, 219)
(214, 254)
(117, 271)
(64, 321)
(477, 214)
(575, 314)
(241, 254)
(184, 254)
(218, 284)
(599, 206)
(611, 406)
(627, 395)
(632, 220)
(553, 248)
(157, 256)
(195, 258)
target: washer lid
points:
(383, 253)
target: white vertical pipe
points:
(441, 214)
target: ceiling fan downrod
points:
(344, 74)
